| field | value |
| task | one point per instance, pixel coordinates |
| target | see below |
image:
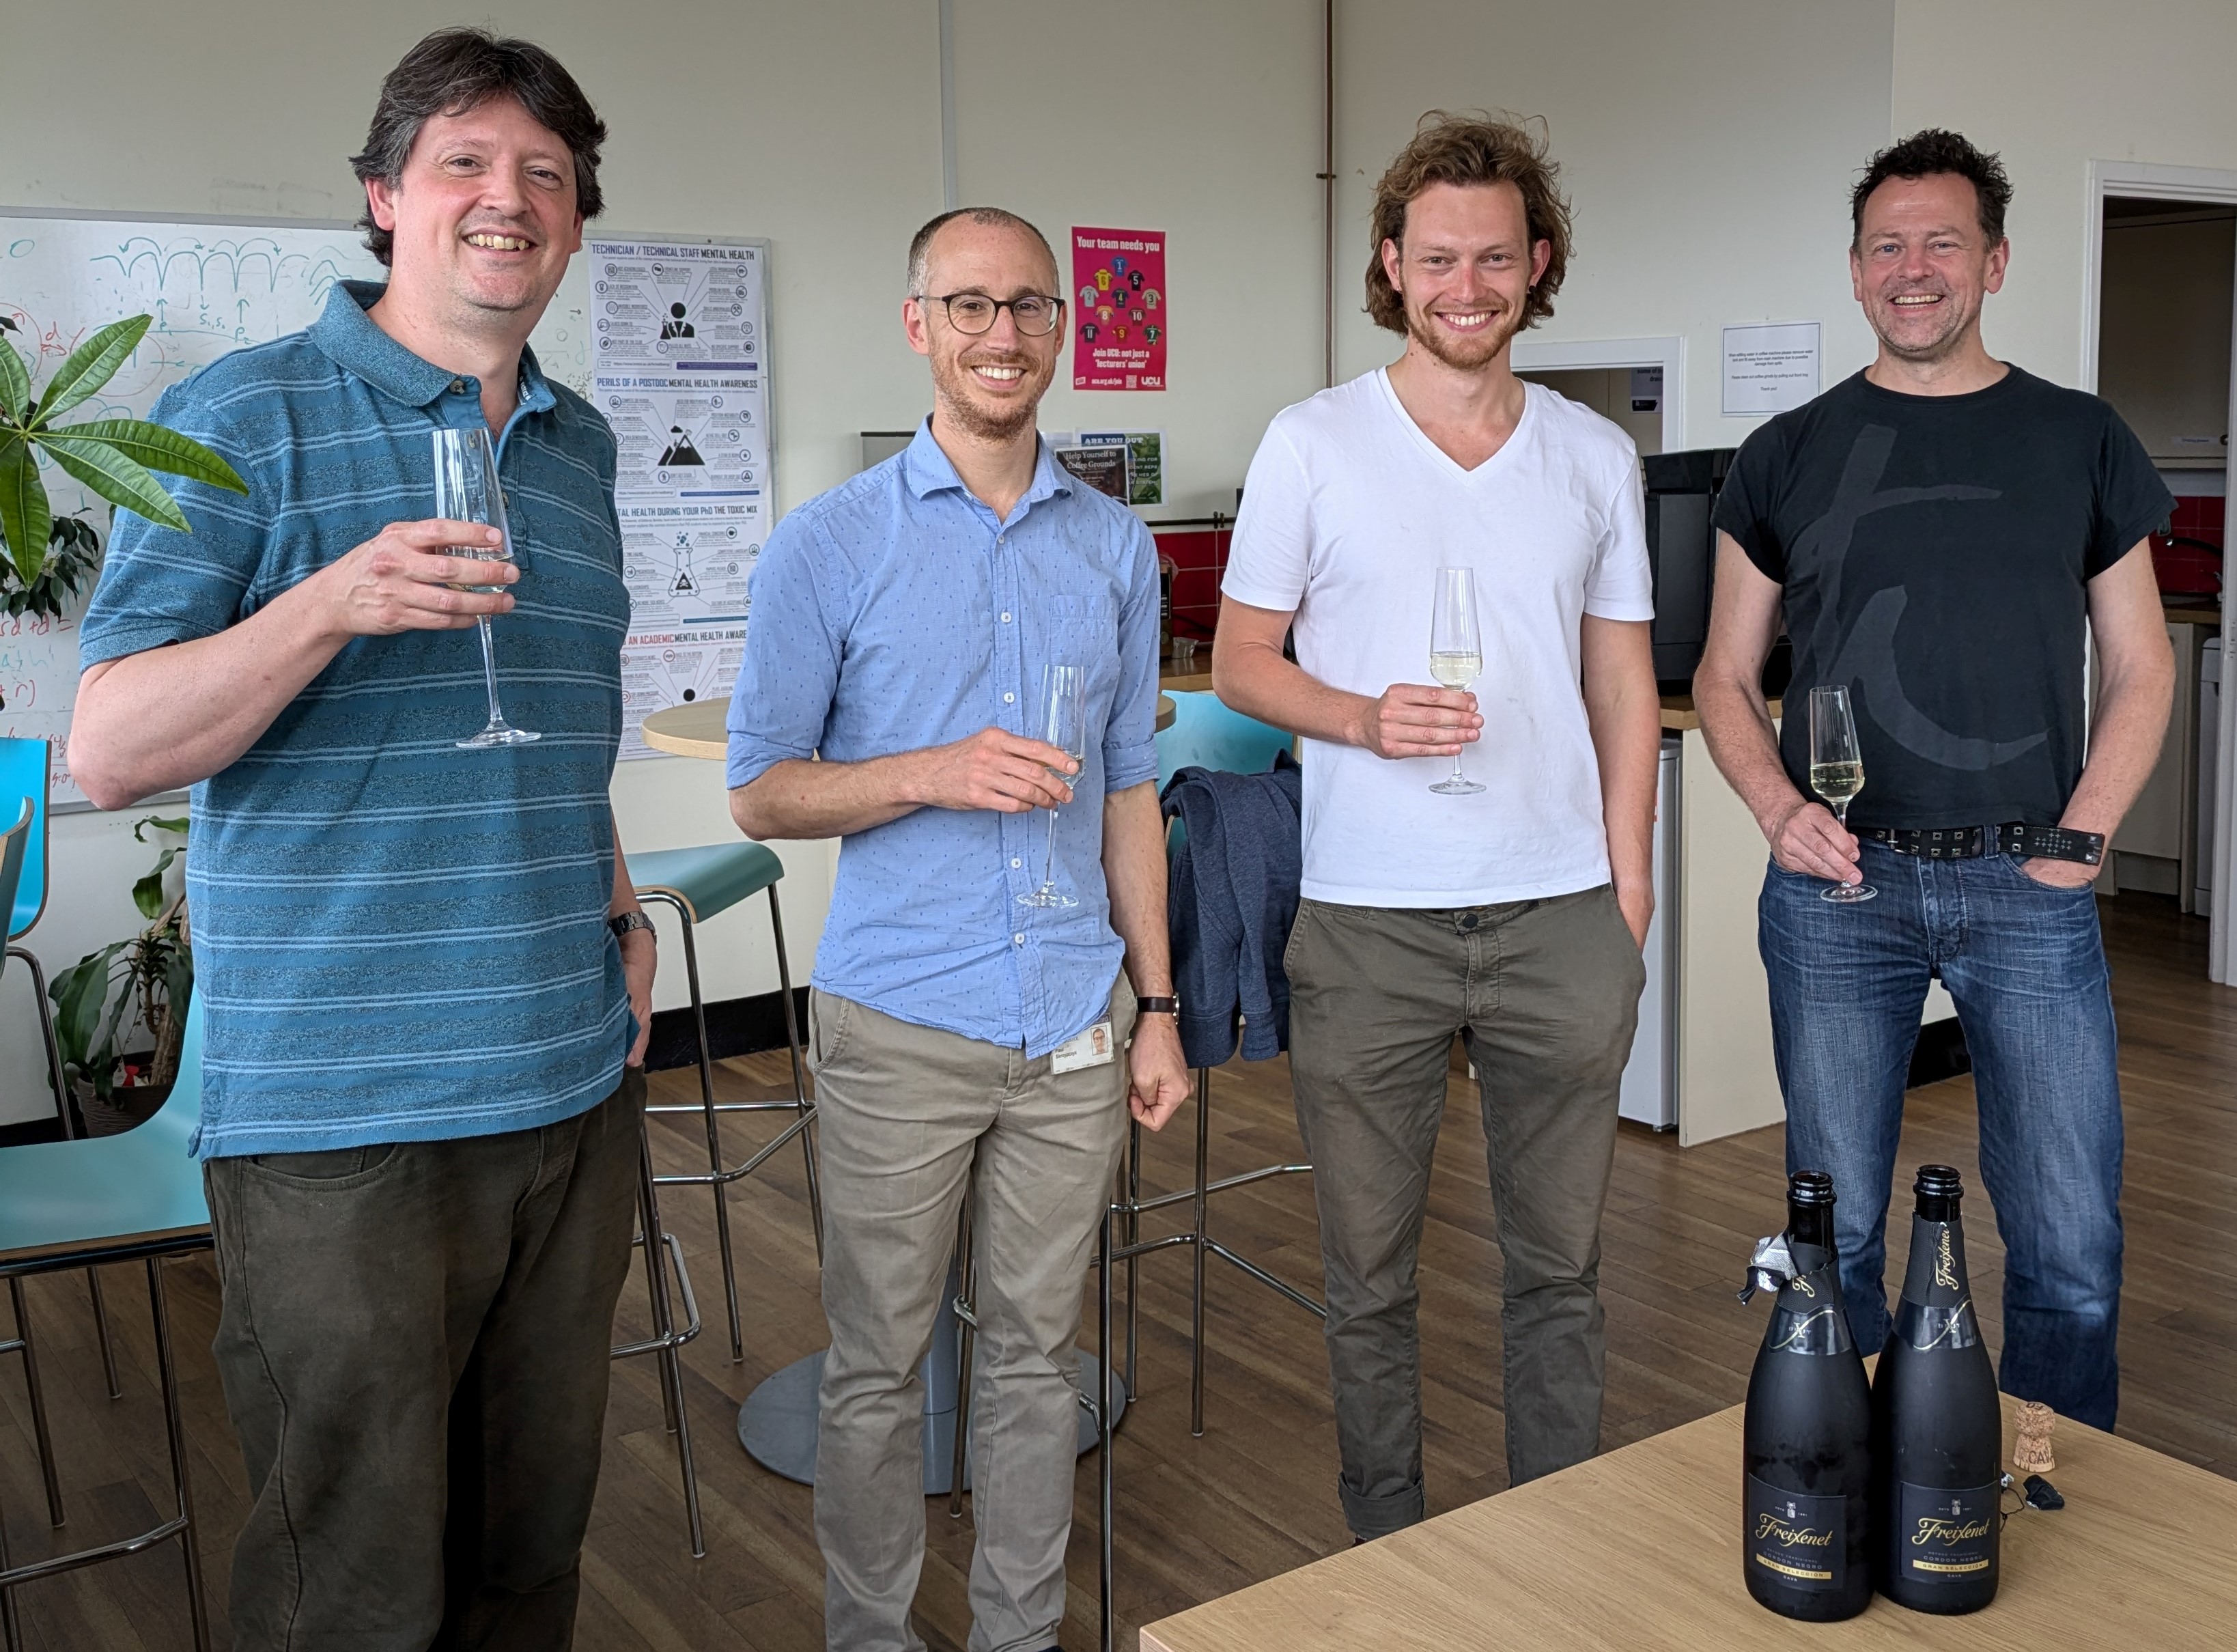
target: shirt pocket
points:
(1084, 632)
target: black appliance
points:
(1681, 555)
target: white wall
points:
(1706, 149)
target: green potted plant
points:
(95, 999)
(47, 558)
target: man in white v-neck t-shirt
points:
(1511, 915)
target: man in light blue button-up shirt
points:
(892, 685)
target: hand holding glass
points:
(1456, 654)
(1062, 725)
(1836, 770)
(467, 490)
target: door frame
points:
(2204, 185)
(1585, 355)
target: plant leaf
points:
(161, 824)
(122, 480)
(159, 449)
(88, 368)
(15, 382)
(148, 893)
(26, 519)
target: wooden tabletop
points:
(698, 730)
(1641, 1548)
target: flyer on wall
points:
(679, 368)
(1119, 310)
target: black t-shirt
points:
(1934, 552)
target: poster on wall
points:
(1118, 304)
(678, 365)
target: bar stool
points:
(662, 1253)
(699, 883)
(134, 1197)
(1205, 734)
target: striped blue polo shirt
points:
(394, 940)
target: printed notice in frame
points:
(679, 329)
(1769, 369)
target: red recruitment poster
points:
(1119, 310)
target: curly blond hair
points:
(1471, 149)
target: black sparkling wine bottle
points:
(1806, 1544)
(1937, 1426)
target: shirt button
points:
(458, 387)
(1015, 862)
(1007, 698)
(1019, 940)
(1005, 620)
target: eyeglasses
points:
(1036, 316)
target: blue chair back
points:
(15, 844)
(24, 773)
(1208, 734)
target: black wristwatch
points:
(622, 922)
(1158, 1007)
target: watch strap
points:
(623, 922)
(1156, 1006)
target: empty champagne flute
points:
(1837, 768)
(1455, 653)
(1063, 726)
(467, 490)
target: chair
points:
(1205, 734)
(699, 883)
(26, 772)
(134, 1197)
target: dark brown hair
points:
(1925, 153)
(1477, 148)
(453, 70)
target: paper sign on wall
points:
(1128, 465)
(1118, 303)
(1769, 369)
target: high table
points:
(777, 1423)
(1641, 1548)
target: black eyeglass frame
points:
(947, 302)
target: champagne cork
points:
(2031, 1450)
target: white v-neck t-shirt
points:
(1347, 511)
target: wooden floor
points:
(1256, 1496)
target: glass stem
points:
(488, 673)
(1048, 866)
(1457, 775)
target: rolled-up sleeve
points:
(794, 637)
(1129, 739)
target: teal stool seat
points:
(700, 882)
(137, 1196)
(1206, 734)
(711, 878)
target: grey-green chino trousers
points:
(1546, 993)
(907, 1116)
(414, 1343)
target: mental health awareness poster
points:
(1119, 310)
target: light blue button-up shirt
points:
(897, 612)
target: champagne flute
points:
(1063, 726)
(1837, 768)
(467, 490)
(1456, 654)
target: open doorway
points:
(2162, 321)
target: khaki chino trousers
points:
(908, 1117)
(1546, 993)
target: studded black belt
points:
(1970, 842)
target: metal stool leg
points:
(1103, 1366)
(1197, 1227)
(667, 1341)
(175, 1437)
(22, 1344)
(806, 1110)
(1132, 1206)
(966, 1306)
(101, 1332)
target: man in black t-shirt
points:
(1945, 533)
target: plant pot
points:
(127, 1107)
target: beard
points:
(1953, 316)
(1464, 354)
(956, 393)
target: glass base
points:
(498, 734)
(1848, 893)
(1457, 787)
(1048, 896)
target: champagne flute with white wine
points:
(1456, 654)
(1836, 770)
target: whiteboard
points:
(212, 286)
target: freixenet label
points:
(1799, 1539)
(1945, 1536)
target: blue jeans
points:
(2026, 966)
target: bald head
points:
(921, 245)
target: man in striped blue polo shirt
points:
(424, 994)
